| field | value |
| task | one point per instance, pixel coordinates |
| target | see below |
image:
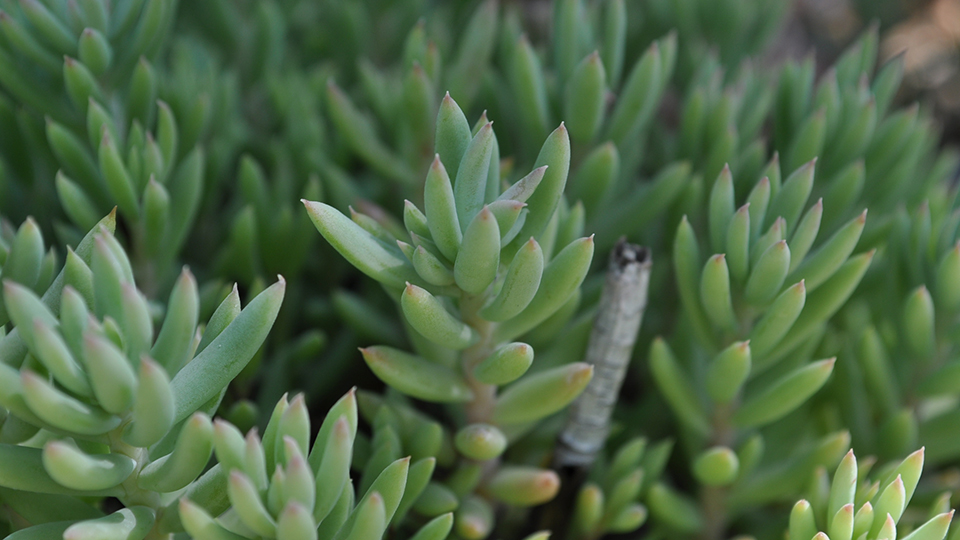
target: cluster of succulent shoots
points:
(852, 506)
(606, 103)
(770, 285)
(309, 494)
(607, 502)
(478, 267)
(98, 404)
(107, 139)
(922, 265)
(25, 260)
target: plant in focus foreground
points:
(479, 267)
(309, 494)
(854, 507)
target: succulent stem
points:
(481, 408)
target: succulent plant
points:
(784, 324)
(476, 245)
(852, 506)
(96, 406)
(310, 493)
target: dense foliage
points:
(469, 167)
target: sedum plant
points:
(26, 260)
(917, 328)
(470, 276)
(721, 124)
(607, 502)
(748, 308)
(91, 79)
(853, 506)
(783, 327)
(309, 494)
(97, 406)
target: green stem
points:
(133, 495)
(713, 499)
(145, 268)
(480, 409)
(154, 534)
